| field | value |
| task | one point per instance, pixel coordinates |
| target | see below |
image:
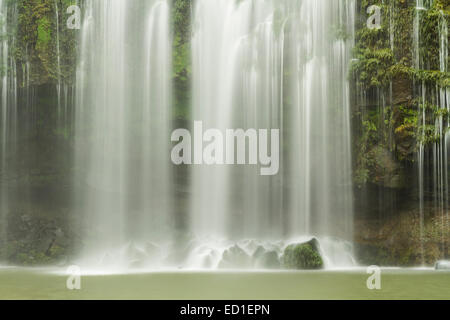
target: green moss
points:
(181, 58)
(364, 161)
(44, 33)
(388, 114)
(302, 256)
(36, 42)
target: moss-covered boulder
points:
(303, 256)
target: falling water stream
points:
(255, 64)
(4, 123)
(8, 113)
(123, 96)
(275, 65)
(436, 179)
(58, 59)
(442, 147)
(421, 112)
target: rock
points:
(442, 265)
(137, 257)
(207, 262)
(137, 264)
(151, 249)
(59, 233)
(26, 218)
(179, 252)
(133, 253)
(303, 256)
(387, 172)
(235, 258)
(266, 259)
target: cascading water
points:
(434, 180)
(224, 43)
(321, 91)
(4, 122)
(256, 64)
(275, 65)
(443, 125)
(122, 109)
(8, 112)
(421, 153)
(58, 59)
(261, 65)
(64, 91)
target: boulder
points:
(151, 249)
(135, 256)
(235, 258)
(266, 259)
(442, 265)
(133, 253)
(303, 256)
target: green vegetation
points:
(37, 42)
(181, 58)
(303, 256)
(388, 114)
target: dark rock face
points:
(393, 114)
(34, 241)
(387, 172)
(401, 239)
(303, 256)
(236, 258)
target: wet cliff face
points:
(386, 100)
(41, 36)
(399, 129)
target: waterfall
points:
(64, 92)
(434, 180)
(274, 65)
(58, 60)
(421, 112)
(443, 129)
(255, 65)
(224, 48)
(8, 110)
(321, 120)
(122, 110)
(4, 122)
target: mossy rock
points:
(303, 256)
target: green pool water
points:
(395, 284)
